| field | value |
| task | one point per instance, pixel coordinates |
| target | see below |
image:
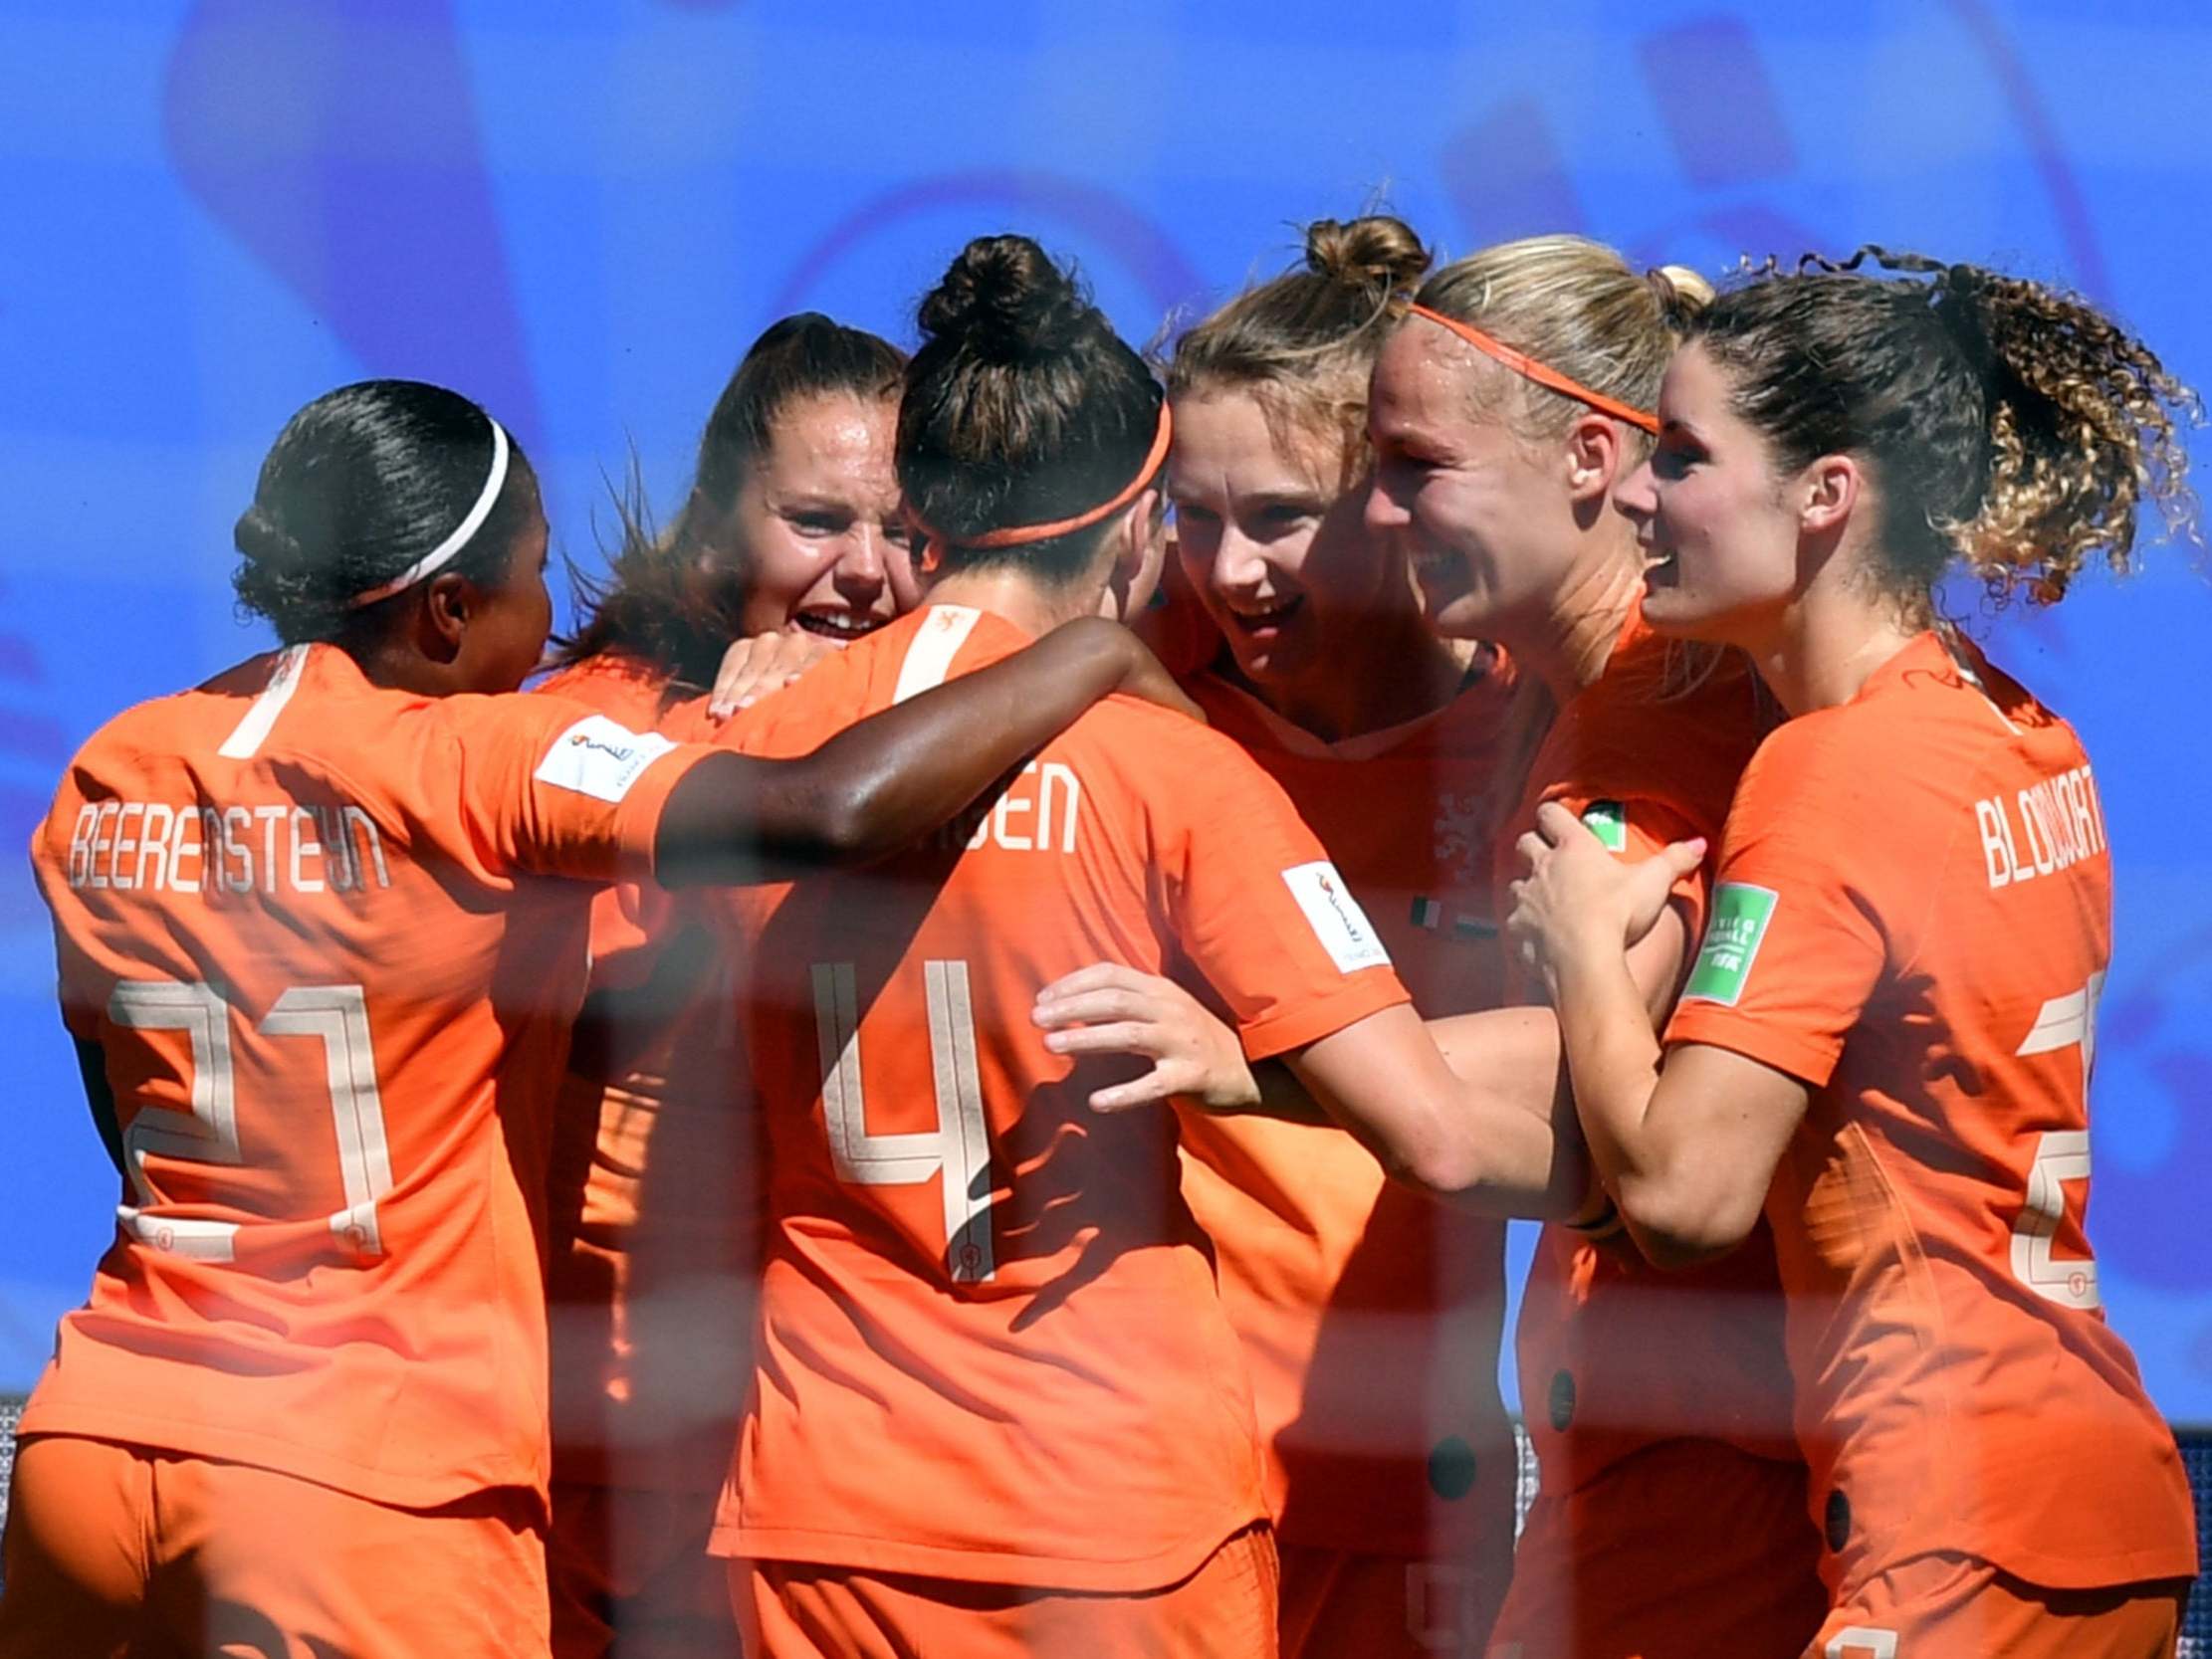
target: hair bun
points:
(268, 543)
(1375, 251)
(1004, 300)
(1682, 292)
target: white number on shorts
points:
(957, 1149)
(2062, 1155)
(338, 1014)
(1861, 1641)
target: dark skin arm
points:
(884, 784)
(91, 1065)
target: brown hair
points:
(1303, 343)
(1021, 407)
(2010, 425)
(651, 603)
(1574, 305)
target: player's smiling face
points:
(1714, 517)
(816, 541)
(1481, 512)
(1269, 535)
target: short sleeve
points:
(552, 789)
(1255, 904)
(1794, 944)
(1636, 828)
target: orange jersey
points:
(312, 927)
(1913, 919)
(1224, 1609)
(1370, 1314)
(655, 1217)
(991, 1347)
(629, 919)
(1615, 1355)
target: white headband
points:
(442, 555)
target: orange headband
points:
(1543, 374)
(1015, 535)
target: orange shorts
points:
(1936, 1606)
(794, 1611)
(1684, 1550)
(631, 1577)
(114, 1549)
(1335, 1602)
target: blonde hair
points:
(1575, 305)
(1302, 343)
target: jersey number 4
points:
(956, 1149)
(2062, 1155)
(208, 1134)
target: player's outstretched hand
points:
(752, 668)
(1578, 900)
(1109, 1009)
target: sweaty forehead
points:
(836, 442)
(1421, 386)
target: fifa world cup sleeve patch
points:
(1335, 916)
(599, 758)
(1740, 913)
(1609, 822)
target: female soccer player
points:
(320, 978)
(1891, 1021)
(998, 1408)
(793, 523)
(1502, 411)
(1370, 1316)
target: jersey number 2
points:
(208, 1134)
(957, 1148)
(2062, 1155)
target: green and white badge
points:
(1609, 822)
(1740, 913)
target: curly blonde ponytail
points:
(2085, 423)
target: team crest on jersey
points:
(599, 758)
(1461, 841)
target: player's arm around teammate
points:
(1885, 1038)
(298, 912)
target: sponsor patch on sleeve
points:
(1335, 916)
(1609, 822)
(1740, 913)
(599, 758)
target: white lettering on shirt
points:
(2060, 822)
(159, 847)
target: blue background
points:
(581, 214)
